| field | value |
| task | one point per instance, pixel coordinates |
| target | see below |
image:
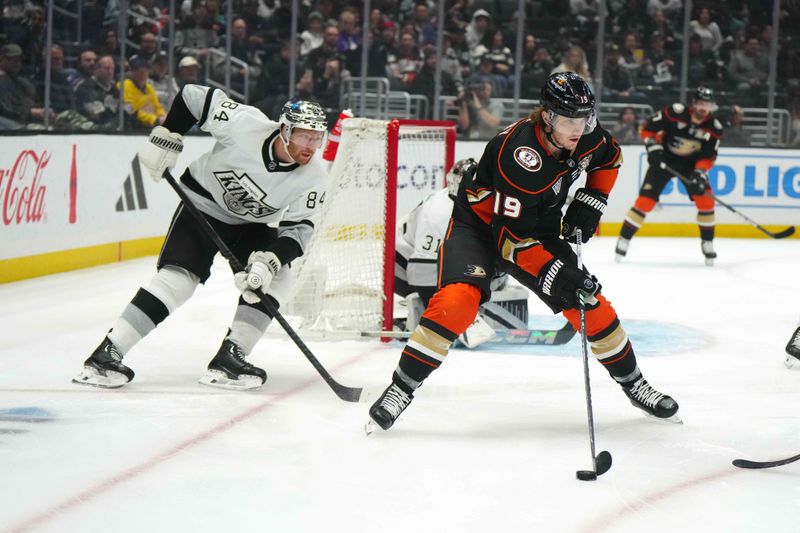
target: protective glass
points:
(571, 126)
(310, 139)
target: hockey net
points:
(383, 169)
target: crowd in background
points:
(728, 42)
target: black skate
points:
(388, 407)
(229, 370)
(622, 249)
(652, 402)
(104, 368)
(708, 252)
(793, 350)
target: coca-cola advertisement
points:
(23, 189)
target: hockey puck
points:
(586, 475)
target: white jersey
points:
(240, 180)
(419, 235)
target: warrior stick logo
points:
(242, 196)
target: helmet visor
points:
(572, 126)
(307, 139)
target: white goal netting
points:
(341, 280)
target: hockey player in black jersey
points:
(509, 212)
(686, 139)
(261, 188)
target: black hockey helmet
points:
(703, 94)
(568, 95)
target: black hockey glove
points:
(561, 281)
(583, 213)
(697, 183)
(655, 155)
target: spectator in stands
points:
(584, 11)
(141, 101)
(403, 66)
(196, 36)
(631, 55)
(424, 82)
(312, 36)
(110, 44)
(749, 68)
(327, 87)
(626, 130)
(575, 61)
(485, 70)
(477, 29)
(617, 81)
(241, 49)
(535, 72)
(349, 44)
(451, 63)
(660, 66)
(165, 85)
(256, 21)
(479, 115)
(671, 8)
(62, 94)
(501, 58)
(215, 16)
(707, 30)
(275, 74)
(381, 49)
(319, 56)
(86, 61)
(137, 25)
(97, 98)
(32, 41)
(630, 16)
(18, 106)
(735, 134)
(423, 27)
(458, 43)
(376, 19)
(702, 66)
(659, 22)
(148, 47)
(188, 71)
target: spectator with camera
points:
(479, 115)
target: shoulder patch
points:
(528, 158)
(678, 108)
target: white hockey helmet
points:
(457, 173)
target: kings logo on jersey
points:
(242, 196)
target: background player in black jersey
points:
(509, 212)
(687, 140)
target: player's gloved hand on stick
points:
(583, 213)
(160, 152)
(655, 155)
(697, 183)
(261, 268)
(561, 281)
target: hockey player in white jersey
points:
(419, 235)
(261, 187)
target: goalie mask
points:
(569, 104)
(304, 115)
(464, 167)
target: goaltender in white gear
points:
(261, 187)
(419, 235)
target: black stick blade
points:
(603, 462)
(744, 463)
(788, 232)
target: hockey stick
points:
(744, 463)
(348, 394)
(602, 461)
(550, 337)
(788, 232)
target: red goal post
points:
(383, 169)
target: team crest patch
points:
(528, 158)
(475, 271)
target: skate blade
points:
(791, 362)
(709, 262)
(90, 376)
(618, 258)
(220, 380)
(370, 427)
(674, 419)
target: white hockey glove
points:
(261, 268)
(160, 152)
(477, 333)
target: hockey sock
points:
(249, 324)
(635, 217)
(170, 288)
(705, 220)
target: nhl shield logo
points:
(528, 158)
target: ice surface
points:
(490, 444)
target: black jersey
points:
(686, 145)
(519, 188)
